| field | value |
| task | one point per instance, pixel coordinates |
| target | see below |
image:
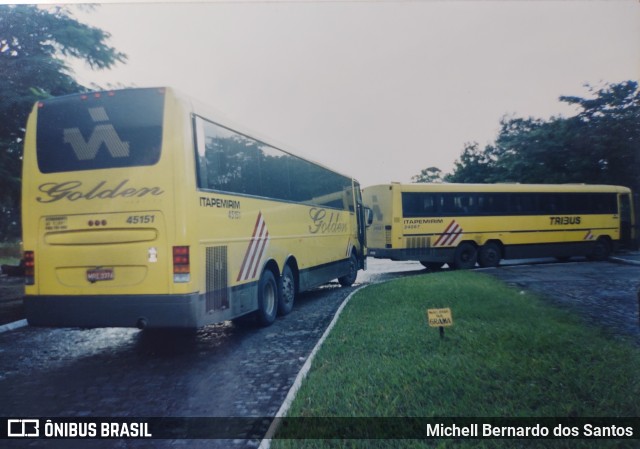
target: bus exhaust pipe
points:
(141, 323)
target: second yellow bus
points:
(465, 224)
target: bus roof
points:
(210, 113)
(503, 187)
(201, 109)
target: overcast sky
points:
(377, 90)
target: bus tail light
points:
(181, 266)
(29, 268)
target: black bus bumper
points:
(141, 311)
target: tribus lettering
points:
(323, 223)
(564, 220)
(72, 191)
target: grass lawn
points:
(509, 354)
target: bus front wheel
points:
(432, 266)
(601, 250)
(267, 298)
(348, 279)
(465, 257)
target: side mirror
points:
(368, 213)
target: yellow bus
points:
(465, 224)
(142, 209)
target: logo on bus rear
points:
(75, 190)
(102, 134)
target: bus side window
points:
(428, 205)
(467, 205)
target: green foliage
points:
(599, 145)
(35, 45)
(431, 174)
(474, 165)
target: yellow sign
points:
(439, 317)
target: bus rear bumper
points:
(146, 311)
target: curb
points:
(620, 260)
(293, 391)
(12, 326)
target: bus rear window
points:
(100, 130)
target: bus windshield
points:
(98, 131)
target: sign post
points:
(440, 318)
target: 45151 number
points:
(141, 219)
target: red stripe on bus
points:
(259, 252)
(446, 231)
(246, 255)
(452, 235)
(255, 244)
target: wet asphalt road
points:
(604, 295)
(226, 370)
(223, 370)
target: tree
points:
(35, 46)
(474, 165)
(534, 151)
(609, 127)
(428, 175)
(601, 144)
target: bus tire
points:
(489, 255)
(465, 257)
(601, 250)
(348, 279)
(287, 292)
(267, 298)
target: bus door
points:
(362, 231)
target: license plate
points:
(100, 274)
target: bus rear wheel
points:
(288, 292)
(489, 255)
(267, 298)
(465, 257)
